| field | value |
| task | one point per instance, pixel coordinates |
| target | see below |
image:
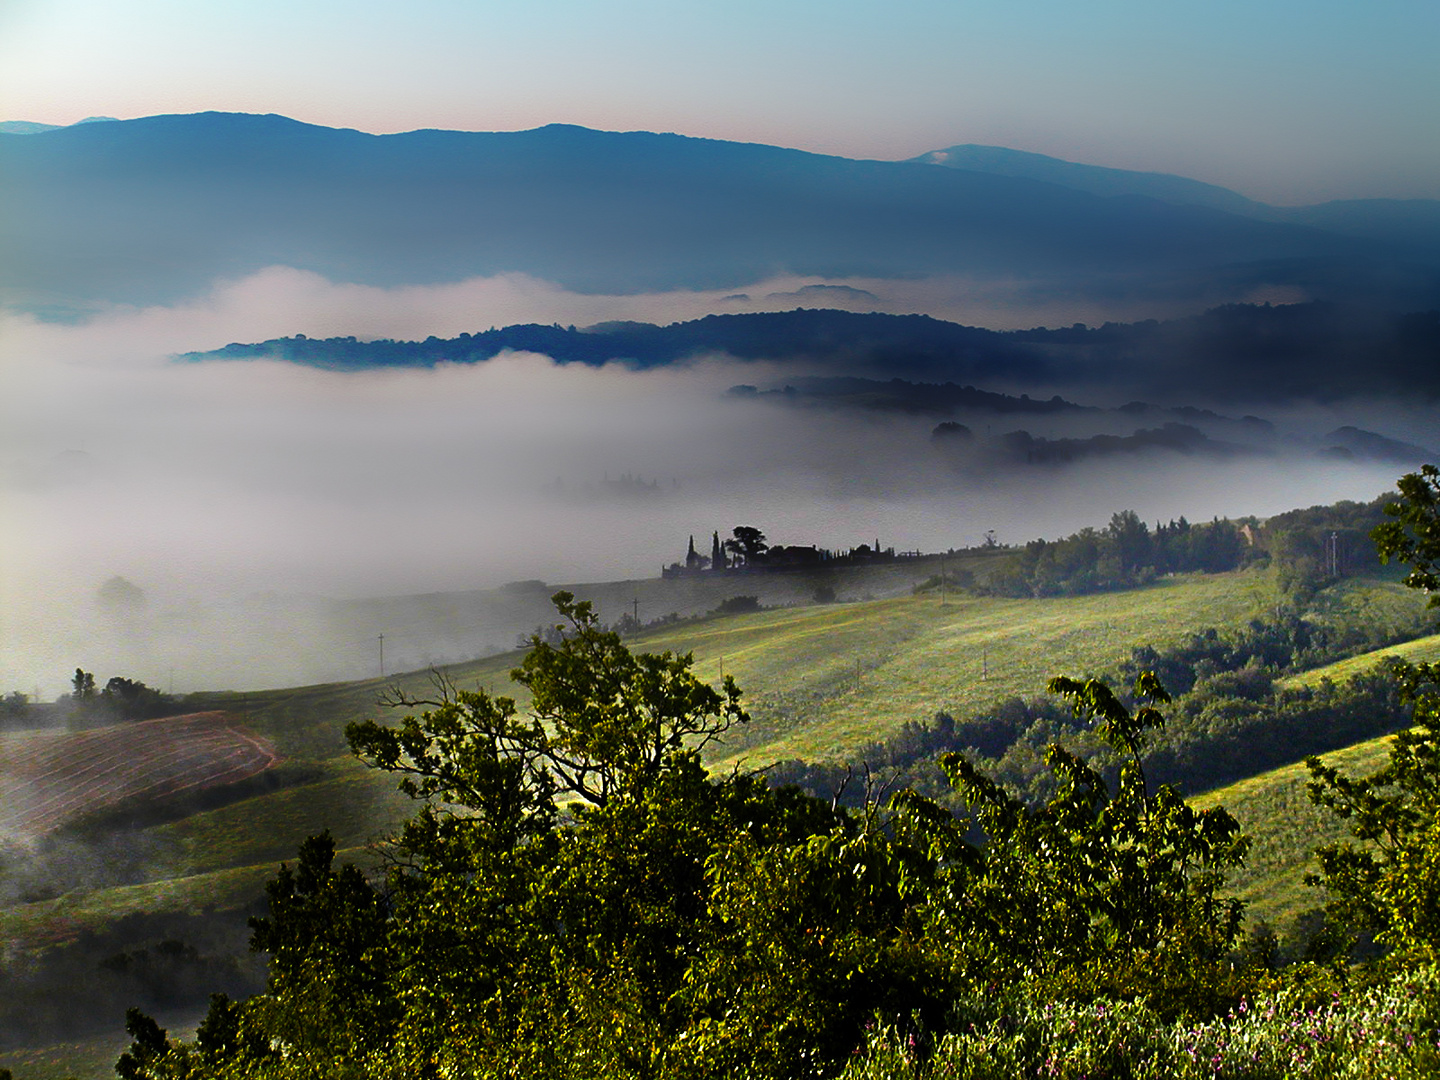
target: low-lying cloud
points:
(237, 495)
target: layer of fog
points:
(238, 495)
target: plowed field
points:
(46, 779)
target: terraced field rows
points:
(46, 779)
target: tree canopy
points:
(577, 896)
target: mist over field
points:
(244, 498)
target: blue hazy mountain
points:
(155, 209)
(1096, 179)
(30, 127)
(1407, 223)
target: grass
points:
(1421, 650)
(1285, 828)
(355, 803)
(824, 680)
(43, 922)
(93, 1057)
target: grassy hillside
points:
(1285, 827)
(825, 681)
(1421, 650)
(821, 680)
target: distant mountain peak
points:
(1095, 179)
(30, 127)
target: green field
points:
(1285, 828)
(1424, 650)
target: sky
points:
(1284, 101)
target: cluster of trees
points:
(1123, 555)
(577, 897)
(747, 549)
(121, 698)
(1308, 548)
(1314, 547)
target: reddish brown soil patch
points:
(47, 779)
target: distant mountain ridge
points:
(30, 127)
(1241, 352)
(1410, 223)
(1096, 179)
(155, 209)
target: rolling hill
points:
(821, 680)
(1249, 352)
(1285, 828)
(47, 779)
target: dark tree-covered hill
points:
(1241, 352)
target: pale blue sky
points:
(1283, 101)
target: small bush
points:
(738, 605)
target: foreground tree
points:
(577, 897)
(1387, 883)
(1098, 893)
(1412, 536)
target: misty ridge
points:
(937, 354)
(274, 518)
(1246, 352)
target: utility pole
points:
(382, 656)
(635, 607)
(984, 662)
(942, 580)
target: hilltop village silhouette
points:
(746, 552)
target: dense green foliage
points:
(1123, 555)
(1412, 532)
(1388, 884)
(1308, 548)
(576, 897)
(1230, 719)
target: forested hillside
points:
(1245, 352)
(575, 895)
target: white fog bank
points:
(237, 496)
